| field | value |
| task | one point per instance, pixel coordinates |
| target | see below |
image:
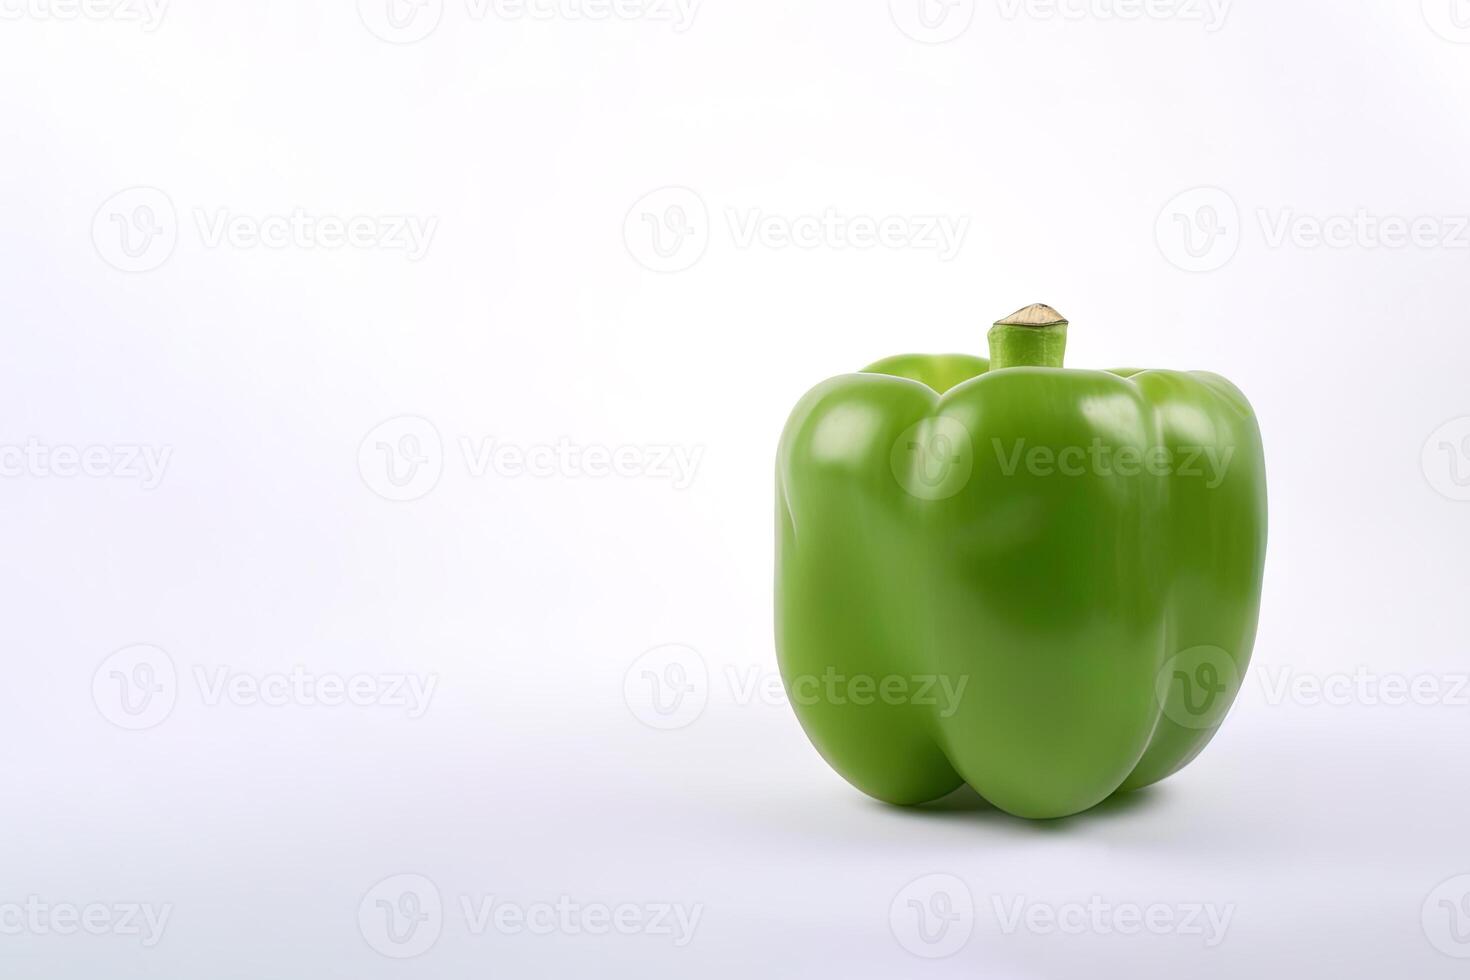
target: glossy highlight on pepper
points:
(1040, 581)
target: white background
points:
(1077, 147)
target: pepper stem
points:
(1032, 337)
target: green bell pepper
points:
(1041, 582)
